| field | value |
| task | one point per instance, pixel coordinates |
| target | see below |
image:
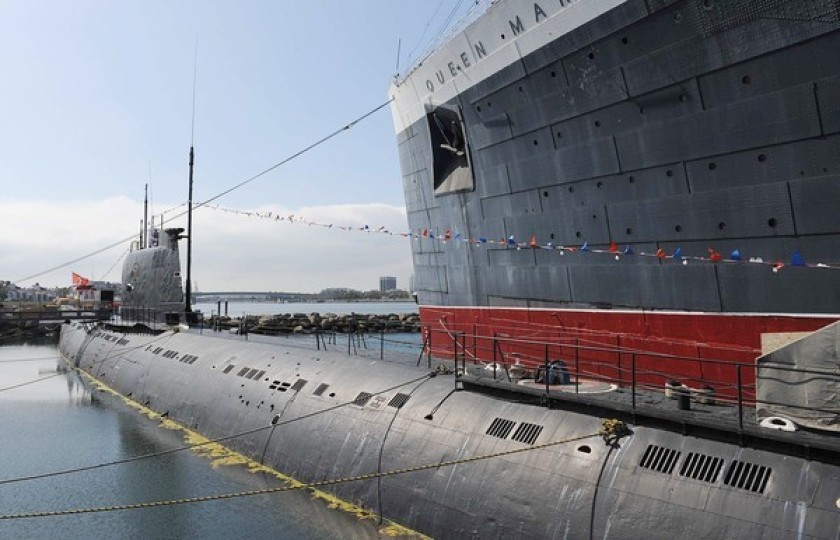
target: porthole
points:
(521, 89)
(559, 135)
(683, 97)
(584, 449)
(762, 158)
(677, 17)
(624, 40)
(594, 216)
(545, 194)
(536, 142)
(631, 179)
(712, 166)
(553, 74)
(577, 234)
(746, 79)
(772, 222)
(551, 236)
(641, 110)
(629, 231)
(678, 228)
(721, 226)
(669, 173)
(591, 55)
(599, 185)
(597, 123)
(478, 108)
(571, 189)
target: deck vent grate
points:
(748, 476)
(259, 375)
(527, 433)
(398, 401)
(362, 399)
(274, 385)
(242, 372)
(285, 386)
(251, 373)
(501, 428)
(701, 467)
(660, 459)
(321, 389)
(300, 383)
(228, 369)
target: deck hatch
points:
(660, 459)
(321, 389)
(527, 433)
(701, 467)
(300, 383)
(748, 476)
(398, 400)
(362, 399)
(501, 428)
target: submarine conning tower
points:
(151, 277)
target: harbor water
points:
(54, 421)
(238, 309)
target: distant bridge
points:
(251, 296)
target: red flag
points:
(533, 242)
(714, 256)
(660, 253)
(447, 235)
(79, 280)
(613, 247)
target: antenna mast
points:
(188, 295)
(144, 238)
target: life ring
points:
(779, 423)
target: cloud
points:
(231, 250)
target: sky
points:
(96, 100)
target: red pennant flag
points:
(660, 253)
(79, 280)
(613, 247)
(447, 235)
(714, 256)
(426, 232)
(533, 242)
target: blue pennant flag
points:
(678, 254)
(628, 250)
(797, 259)
(585, 246)
(735, 255)
(511, 241)
(482, 240)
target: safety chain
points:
(613, 427)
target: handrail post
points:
(429, 350)
(618, 352)
(577, 365)
(633, 375)
(494, 356)
(740, 399)
(463, 360)
(545, 373)
(382, 343)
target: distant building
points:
(387, 283)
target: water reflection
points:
(57, 424)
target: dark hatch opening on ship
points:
(450, 156)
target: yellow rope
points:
(609, 427)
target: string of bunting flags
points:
(712, 256)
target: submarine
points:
(454, 447)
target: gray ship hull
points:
(339, 416)
(658, 125)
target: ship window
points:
(450, 159)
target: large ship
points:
(658, 173)
(614, 206)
